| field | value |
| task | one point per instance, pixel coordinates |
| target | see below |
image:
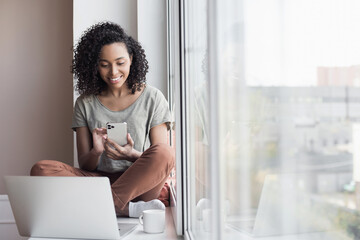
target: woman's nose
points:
(114, 71)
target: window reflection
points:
(198, 99)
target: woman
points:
(110, 68)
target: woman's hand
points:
(99, 135)
(90, 146)
(117, 152)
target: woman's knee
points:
(41, 167)
(164, 154)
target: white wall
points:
(151, 18)
(36, 84)
(89, 12)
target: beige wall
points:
(35, 84)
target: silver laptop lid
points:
(63, 207)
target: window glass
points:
(289, 117)
(289, 113)
(197, 109)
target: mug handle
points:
(141, 219)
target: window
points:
(271, 87)
(196, 75)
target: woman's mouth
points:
(115, 80)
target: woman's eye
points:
(120, 63)
(102, 65)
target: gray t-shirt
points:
(149, 110)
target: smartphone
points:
(117, 132)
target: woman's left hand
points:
(117, 152)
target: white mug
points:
(153, 220)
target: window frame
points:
(178, 195)
(181, 90)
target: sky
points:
(286, 40)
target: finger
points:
(112, 156)
(116, 150)
(117, 147)
(130, 140)
(114, 153)
(100, 130)
(109, 148)
(113, 143)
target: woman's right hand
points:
(117, 152)
(99, 135)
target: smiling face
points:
(114, 64)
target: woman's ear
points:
(131, 57)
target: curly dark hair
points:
(86, 58)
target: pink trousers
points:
(143, 180)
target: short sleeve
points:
(78, 118)
(162, 112)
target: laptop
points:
(286, 206)
(64, 207)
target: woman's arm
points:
(89, 146)
(158, 134)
